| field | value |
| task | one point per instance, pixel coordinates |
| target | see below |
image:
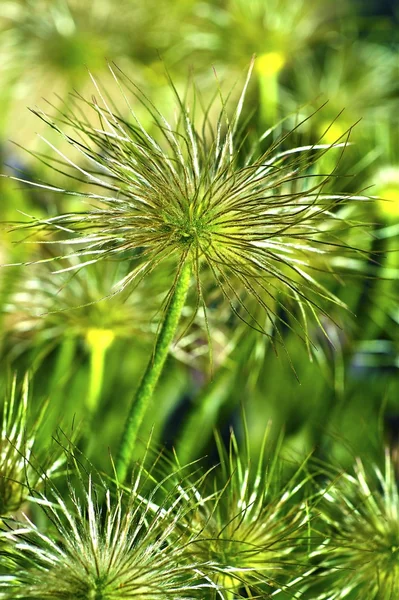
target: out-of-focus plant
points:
(277, 31)
(384, 172)
(48, 46)
(24, 462)
(357, 77)
(359, 557)
(378, 347)
(387, 185)
(77, 306)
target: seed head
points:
(263, 226)
(99, 549)
(19, 473)
(360, 556)
(252, 530)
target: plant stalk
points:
(63, 366)
(99, 341)
(154, 368)
(203, 417)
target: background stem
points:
(99, 340)
(203, 417)
(154, 368)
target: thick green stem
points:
(154, 368)
(269, 92)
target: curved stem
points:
(154, 368)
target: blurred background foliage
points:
(85, 349)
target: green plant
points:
(166, 232)
(49, 311)
(359, 557)
(254, 528)
(100, 545)
(194, 199)
(24, 463)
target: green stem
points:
(99, 341)
(154, 368)
(203, 417)
(62, 368)
(269, 97)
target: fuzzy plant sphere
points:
(196, 194)
(360, 555)
(100, 546)
(254, 529)
(19, 451)
(200, 199)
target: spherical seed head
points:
(361, 552)
(100, 548)
(252, 531)
(263, 227)
(19, 475)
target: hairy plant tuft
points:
(198, 191)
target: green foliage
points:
(100, 546)
(262, 225)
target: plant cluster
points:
(237, 530)
(186, 251)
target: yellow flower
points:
(387, 189)
(270, 63)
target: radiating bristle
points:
(265, 229)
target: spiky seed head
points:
(262, 226)
(252, 528)
(100, 547)
(360, 555)
(22, 469)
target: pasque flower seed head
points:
(100, 547)
(19, 474)
(263, 227)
